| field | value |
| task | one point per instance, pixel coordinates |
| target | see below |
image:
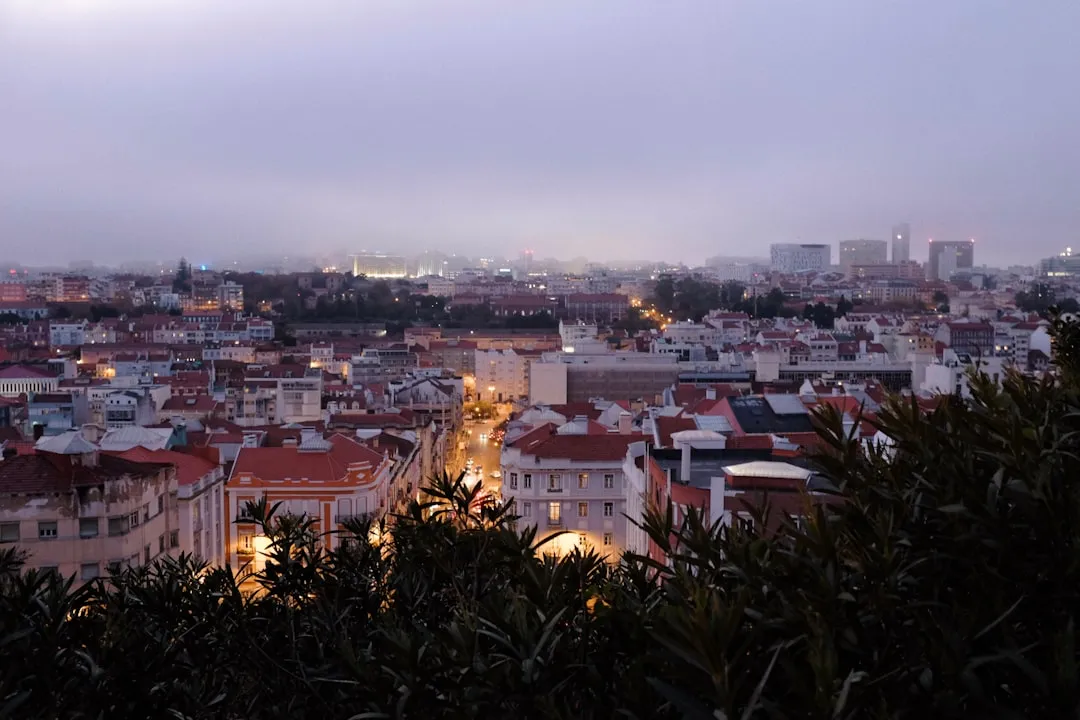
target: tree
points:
(843, 306)
(182, 279)
(1039, 298)
(940, 581)
(940, 297)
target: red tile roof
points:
(666, 425)
(544, 442)
(24, 372)
(278, 463)
(189, 468)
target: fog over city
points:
(610, 129)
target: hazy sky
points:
(674, 129)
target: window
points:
(242, 510)
(554, 513)
(46, 530)
(118, 525)
(114, 566)
(554, 482)
(513, 481)
(609, 482)
(526, 482)
(9, 532)
(161, 543)
(174, 539)
(89, 527)
(609, 509)
(89, 571)
(146, 554)
(246, 544)
(583, 509)
(609, 539)
(583, 481)
(133, 519)
(160, 504)
(526, 509)
(744, 521)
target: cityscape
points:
(267, 450)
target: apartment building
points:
(571, 478)
(82, 511)
(974, 338)
(329, 480)
(502, 375)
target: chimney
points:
(625, 420)
(684, 469)
(710, 393)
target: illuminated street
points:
(484, 453)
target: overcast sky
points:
(675, 129)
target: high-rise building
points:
(798, 257)
(949, 257)
(901, 243)
(1063, 265)
(862, 252)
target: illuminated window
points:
(555, 513)
(583, 481)
(583, 509)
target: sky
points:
(613, 129)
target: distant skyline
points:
(614, 129)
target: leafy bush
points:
(946, 586)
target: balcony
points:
(554, 489)
(242, 517)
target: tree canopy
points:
(943, 583)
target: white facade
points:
(501, 375)
(588, 499)
(797, 257)
(67, 333)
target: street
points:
(483, 452)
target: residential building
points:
(502, 375)
(329, 480)
(230, 296)
(56, 413)
(83, 512)
(572, 478)
(972, 338)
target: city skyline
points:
(609, 131)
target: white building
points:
(502, 375)
(67, 334)
(572, 478)
(790, 258)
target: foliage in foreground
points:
(946, 586)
